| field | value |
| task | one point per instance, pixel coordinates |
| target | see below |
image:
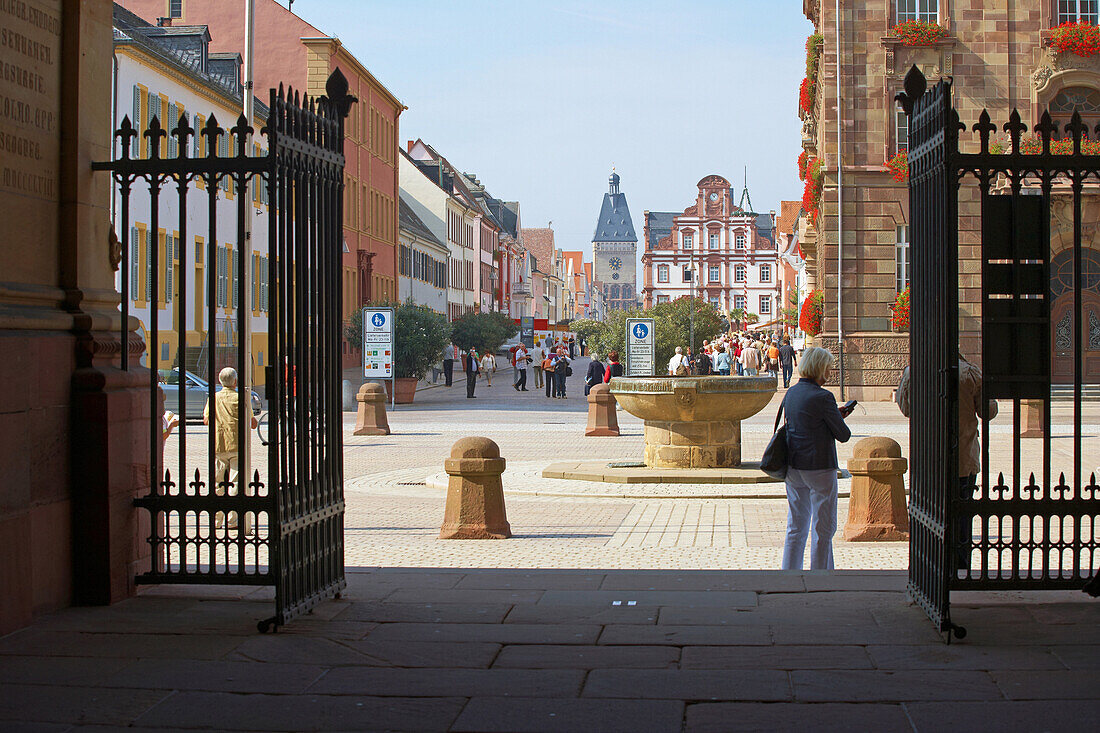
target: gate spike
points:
(984, 127)
(1015, 127)
(1077, 129)
(1046, 128)
(280, 90)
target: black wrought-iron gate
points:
(1040, 528)
(287, 530)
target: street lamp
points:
(492, 290)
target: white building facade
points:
(422, 261)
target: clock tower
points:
(615, 249)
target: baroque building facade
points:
(999, 58)
(732, 250)
(615, 250)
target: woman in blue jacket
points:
(814, 424)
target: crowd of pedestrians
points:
(738, 353)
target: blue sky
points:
(540, 98)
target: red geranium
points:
(813, 313)
(899, 166)
(811, 192)
(918, 33)
(803, 161)
(805, 97)
(1082, 39)
(901, 311)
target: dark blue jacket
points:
(814, 425)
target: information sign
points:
(378, 343)
(640, 347)
(527, 331)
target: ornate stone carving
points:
(114, 251)
(1053, 62)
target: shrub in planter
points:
(420, 335)
(813, 313)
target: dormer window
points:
(175, 8)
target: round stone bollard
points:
(602, 418)
(371, 419)
(876, 507)
(475, 494)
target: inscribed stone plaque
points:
(30, 87)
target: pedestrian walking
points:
(814, 425)
(226, 448)
(750, 360)
(561, 371)
(738, 346)
(572, 348)
(970, 447)
(548, 363)
(520, 360)
(471, 368)
(787, 360)
(450, 356)
(614, 368)
(678, 364)
(594, 375)
(722, 361)
(537, 358)
(702, 363)
(488, 367)
(773, 359)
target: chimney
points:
(410, 146)
(164, 22)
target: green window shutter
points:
(255, 293)
(221, 276)
(236, 283)
(173, 120)
(135, 118)
(197, 140)
(150, 294)
(169, 247)
(135, 244)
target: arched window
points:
(1085, 100)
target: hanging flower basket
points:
(805, 98)
(813, 313)
(899, 166)
(811, 192)
(917, 33)
(1082, 39)
(803, 161)
(901, 311)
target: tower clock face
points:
(615, 263)
(713, 195)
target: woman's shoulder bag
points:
(774, 462)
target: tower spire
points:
(745, 198)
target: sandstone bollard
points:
(371, 419)
(1032, 420)
(475, 494)
(876, 507)
(602, 419)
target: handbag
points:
(774, 462)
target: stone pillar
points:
(475, 494)
(1032, 419)
(602, 419)
(876, 507)
(371, 419)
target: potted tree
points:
(419, 335)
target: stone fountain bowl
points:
(693, 399)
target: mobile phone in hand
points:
(848, 407)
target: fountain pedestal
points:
(693, 422)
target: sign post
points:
(378, 346)
(641, 347)
(527, 331)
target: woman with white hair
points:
(814, 424)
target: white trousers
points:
(811, 505)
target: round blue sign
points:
(378, 319)
(640, 330)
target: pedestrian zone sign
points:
(378, 343)
(640, 347)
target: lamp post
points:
(492, 290)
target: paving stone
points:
(863, 634)
(1087, 612)
(1037, 634)
(1045, 685)
(425, 654)
(997, 717)
(32, 641)
(433, 613)
(303, 712)
(692, 684)
(291, 649)
(1078, 657)
(961, 656)
(590, 614)
(451, 595)
(50, 703)
(11, 726)
(190, 674)
(490, 715)
(587, 657)
(774, 657)
(684, 598)
(497, 633)
(329, 629)
(745, 580)
(44, 670)
(763, 617)
(451, 682)
(683, 635)
(819, 717)
(855, 580)
(359, 582)
(830, 601)
(887, 686)
(489, 580)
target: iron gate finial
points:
(915, 86)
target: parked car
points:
(195, 395)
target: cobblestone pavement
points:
(395, 497)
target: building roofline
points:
(340, 47)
